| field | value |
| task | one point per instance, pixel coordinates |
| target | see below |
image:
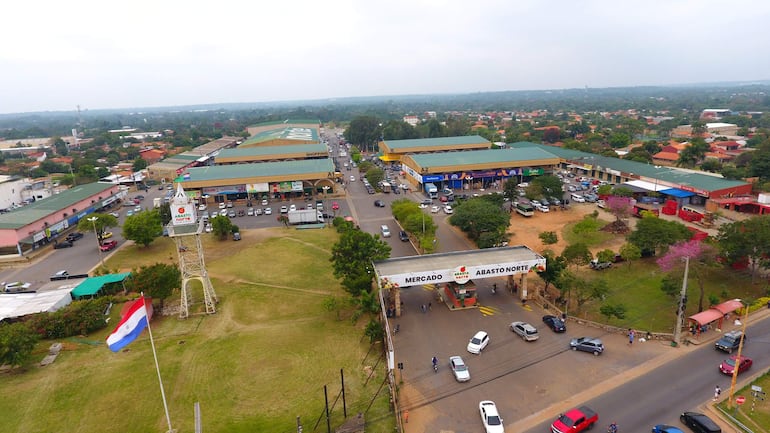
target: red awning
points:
(729, 306)
(708, 316)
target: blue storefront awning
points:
(679, 193)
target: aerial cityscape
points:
(385, 217)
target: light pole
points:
(682, 297)
(93, 220)
(326, 203)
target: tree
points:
(143, 227)
(577, 254)
(165, 213)
(746, 240)
(398, 130)
(700, 254)
(619, 139)
(605, 256)
(139, 164)
(548, 238)
(620, 207)
(554, 265)
(157, 281)
(375, 176)
(630, 252)
(613, 310)
(364, 131)
(478, 216)
(101, 222)
(653, 233)
(353, 254)
(550, 186)
(17, 341)
(221, 226)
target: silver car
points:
(525, 331)
(459, 369)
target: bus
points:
(525, 209)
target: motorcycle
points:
(435, 364)
(613, 428)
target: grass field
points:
(256, 365)
(758, 419)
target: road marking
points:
(526, 307)
(429, 287)
(488, 311)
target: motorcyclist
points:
(435, 362)
(613, 428)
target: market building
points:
(477, 169)
(396, 150)
(173, 166)
(40, 223)
(288, 152)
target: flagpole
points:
(157, 368)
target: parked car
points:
(106, 235)
(284, 209)
(448, 209)
(108, 246)
(699, 422)
(379, 203)
(264, 202)
(665, 428)
(72, 237)
(62, 244)
(403, 236)
(728, 365)
(250, 211)
(478, 342)
(555, 323)
(241, 213)
(434, 209)
(115, 214)
(525, 331)
(575, 420)
(201, 207)
(730, 341)
(258, 211)
(222, 205)
(229, 205)
(137, 209)
(587, 344)
(293, 207)
(490, 417)
(223, 212)
(596, 265)
(236, 236)
(268, 211)
(231, 213)
(459, 369)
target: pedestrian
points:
(631, 335)
(430, 306)
(406, 416)
(717, 392)
(422, 307)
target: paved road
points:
(663, 393)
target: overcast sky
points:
(55, 55)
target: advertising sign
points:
(257, 187)
(465, 273)
(433, 178)
(182, 214)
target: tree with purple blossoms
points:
(701, 254)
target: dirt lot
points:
(526, 230)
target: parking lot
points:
(523, 378)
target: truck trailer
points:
(431, 190)
(305, 216)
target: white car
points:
(525, 331)
(202, 207)
(577, 198)
(448, 209)
(434, 209)
(310, 206)
(264, 202)
(222, 205)
(352, 178)
(423, 206)
(268, 211)
(284, 209)
(460, 370)
(250, 211)
(293, 207)
(490, 417)
(208, 228)
(543, 208)
(478, 342)
(223, 212)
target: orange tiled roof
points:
(666, 156)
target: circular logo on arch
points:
(461, 275)
(180, 210)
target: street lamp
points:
(326, 203)
(93, 220)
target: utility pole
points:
(737, 364)
(682, 297)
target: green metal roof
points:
(42, 208)
(667, 174)
(288, 122)
(439, 141)
(187, 157)
(285, 133)
(92, 285)
(269, 169)
(272, 150)
(513, 156)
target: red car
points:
(728, 365)
(108, 246)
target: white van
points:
(385, 231)
(577, 198)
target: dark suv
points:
(403, 236)
(729, 341)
